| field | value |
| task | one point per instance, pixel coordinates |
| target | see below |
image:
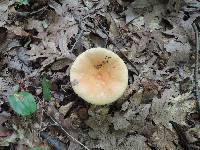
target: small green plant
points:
(46, 92)
(38, 148)
(22, 103)
(22, 2)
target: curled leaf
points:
(46, 90)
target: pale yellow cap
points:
(99, 76)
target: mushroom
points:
(99, 76)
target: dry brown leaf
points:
(64, 109)
(170, 108)
(164, 139)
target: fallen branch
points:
(127, 59)
(61, 127)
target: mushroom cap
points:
(99, 76)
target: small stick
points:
(69, 135)
(136, 70)
(39, 10)
(77, 40)
(80, 25)
(132, 65)
(196, 76)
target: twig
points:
(61, 127)
(77, 40)
(26, 14)
(129, 61)
(196, 76)
(39, 10)
(79, 22)
(136, 70)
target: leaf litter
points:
(44, 38)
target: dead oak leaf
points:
(60, 64)
(49, 51)
(164, 138)
(4, 116)
(4, 11)
(5, 131)
(169, 108)
(7, 85)
(173, 46)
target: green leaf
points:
(46, 90)
(22, 2)
(38, 148)
(22, 103)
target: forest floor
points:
(155, 39)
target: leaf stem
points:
(61, 127)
